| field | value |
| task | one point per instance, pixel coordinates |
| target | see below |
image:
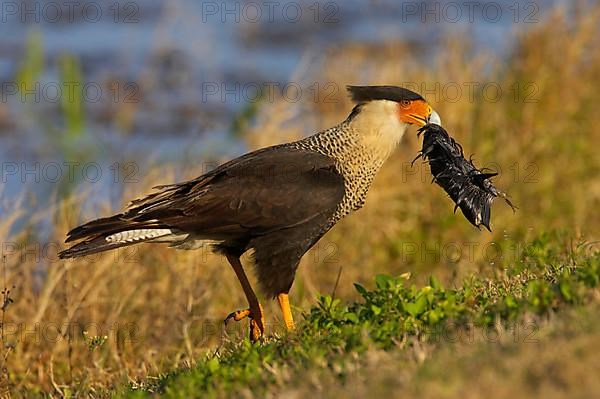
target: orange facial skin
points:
(414, 112)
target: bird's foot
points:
(257, 321)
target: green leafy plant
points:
(395, 310)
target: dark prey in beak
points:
(470, 188)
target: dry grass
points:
(161, 308)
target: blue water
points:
(176, 51)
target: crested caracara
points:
(277, 201)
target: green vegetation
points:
(72, 102)
(33, 63)
(144, 312)
(393, 316)
(27, 78)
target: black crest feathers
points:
(470, 188)
(363, 94)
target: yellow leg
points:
(255, 312)
(284, 303)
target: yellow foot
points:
(257, 321)
(284, 303)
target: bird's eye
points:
(405, 103)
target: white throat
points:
(378, 127)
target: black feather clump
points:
(470, 188)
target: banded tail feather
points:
(110, 233)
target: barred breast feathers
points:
(359, 146)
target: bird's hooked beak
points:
(418, 112)
(434, 118)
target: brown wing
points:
(263, 191)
